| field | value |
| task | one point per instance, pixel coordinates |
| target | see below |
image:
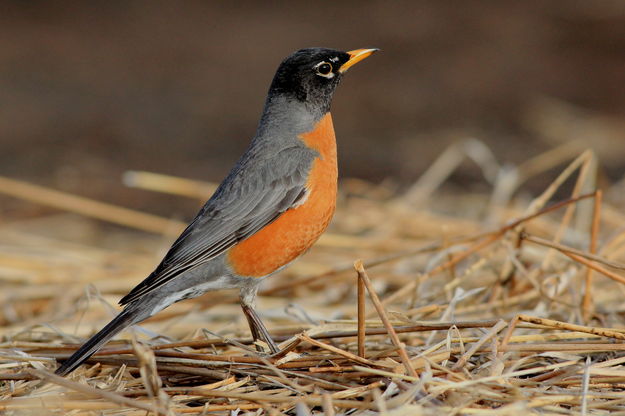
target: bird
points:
(273, 205)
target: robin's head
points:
(311, 75)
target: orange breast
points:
(296, 230)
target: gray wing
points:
(251, 197)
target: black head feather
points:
(310, 75)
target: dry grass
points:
(474, 304)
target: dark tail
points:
(121, 321)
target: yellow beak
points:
(356, 56)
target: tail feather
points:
(121, 321)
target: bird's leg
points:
(257, 328)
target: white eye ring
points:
(324, 69)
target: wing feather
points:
(251, 197)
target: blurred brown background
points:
(89, 90)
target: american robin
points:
(271, 208)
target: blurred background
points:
(89, 90)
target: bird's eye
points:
(324, 69)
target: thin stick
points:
(506, 339)
(547, 160)
(173, 185)
(336, 350)
(563, 248)
(572, 327)
(313, 400)
(90, 208)
(57, 404)
(585, 383)
(328, 407)
(587, 301)
(107, 395)
(362, 274)
(597, 268)
(361, 317)
(560, 346)
(546, 210)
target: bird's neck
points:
(285, 115)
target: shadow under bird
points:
(273, 205)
